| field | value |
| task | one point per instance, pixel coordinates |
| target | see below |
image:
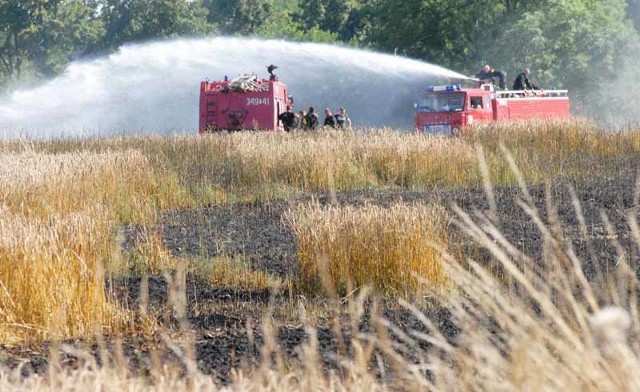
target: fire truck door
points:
(479, 109)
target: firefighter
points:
(329, 119)
(522, 82)
(270, 69)
(301, 120)
(312, 119)
(288, 119)
(342, 120)
(486, 74)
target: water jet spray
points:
(152, 88)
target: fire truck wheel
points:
(455, 132)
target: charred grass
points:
(369, 259)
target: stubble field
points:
(359, 260)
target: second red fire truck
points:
(449, 109)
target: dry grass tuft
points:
(149, 254)
(549, 325)
(219, 168)
(234, 272)
(611, 329)
(303, 161)
(387, 248)
(57, 221)
(51, 277)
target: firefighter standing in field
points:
(329, 119)
(311, 119)
(522, 82)
(301, 120)
(342, 120)
(288, 119)
(487, 74)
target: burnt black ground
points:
(227, 322)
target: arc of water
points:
(153, 87)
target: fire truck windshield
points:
(441, 102)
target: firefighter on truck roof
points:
(522, 81)
(486, 74)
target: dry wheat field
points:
(505, 259)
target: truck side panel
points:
(236, 110)
(531, 107)
(544, 108)
(500, 109)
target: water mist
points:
(153, 88)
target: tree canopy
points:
(575, 44)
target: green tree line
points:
(575, 44)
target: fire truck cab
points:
(245, 102)
(447, 109)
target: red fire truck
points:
(245, 102)
(448, 109)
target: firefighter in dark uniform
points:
(288, 119)
(311, 119)
(522, 82)
(329, 119)
(487, 74)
